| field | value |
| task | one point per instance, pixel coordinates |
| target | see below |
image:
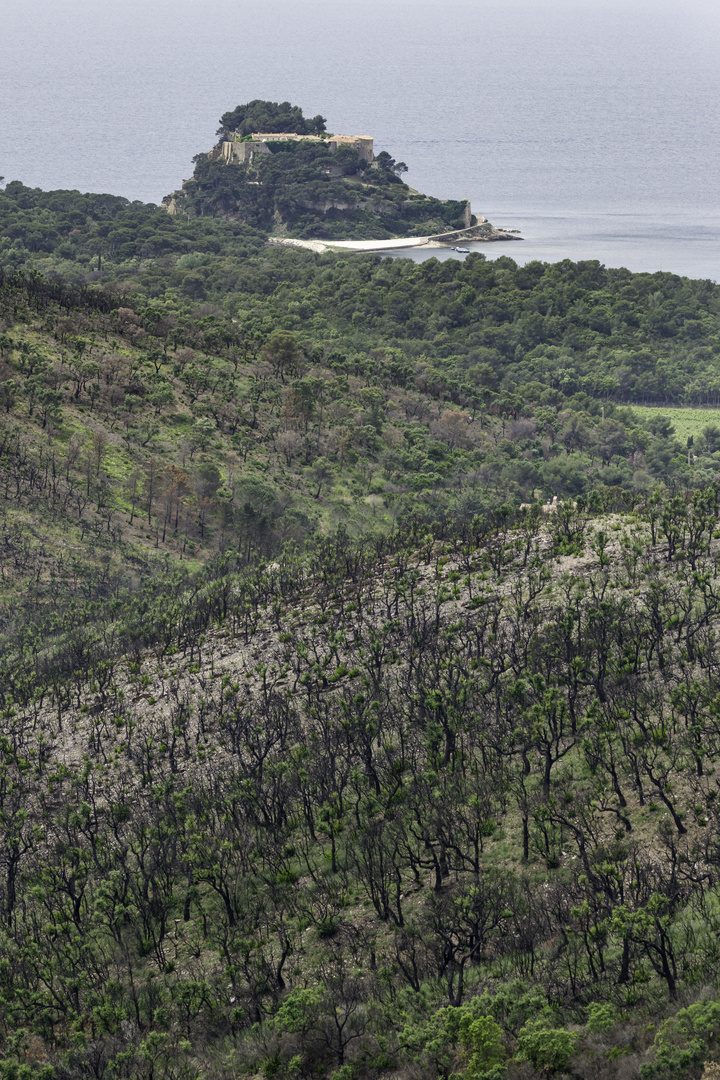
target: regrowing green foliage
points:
(482, 1038)
(685, 1042)
(601, 1017)
(547, 1048)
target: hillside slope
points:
(444, 802)
(321, 754)
(135, 436)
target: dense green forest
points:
(331, 745)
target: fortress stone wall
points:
(242, 152)
(362, 143)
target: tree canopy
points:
(270, 116)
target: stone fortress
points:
(239, 151)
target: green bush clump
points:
(483, 1037)
(684, 1041)
(545, 1047)
(601, 1017)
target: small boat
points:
(463, 251)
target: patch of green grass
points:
(117, 464)
(686, 422)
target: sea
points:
(592, 126)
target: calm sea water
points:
(591, 125)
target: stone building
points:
(242, 152)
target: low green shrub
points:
(546, 1048)
(683, 1042)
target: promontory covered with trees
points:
(310, 184)
(359, 666)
